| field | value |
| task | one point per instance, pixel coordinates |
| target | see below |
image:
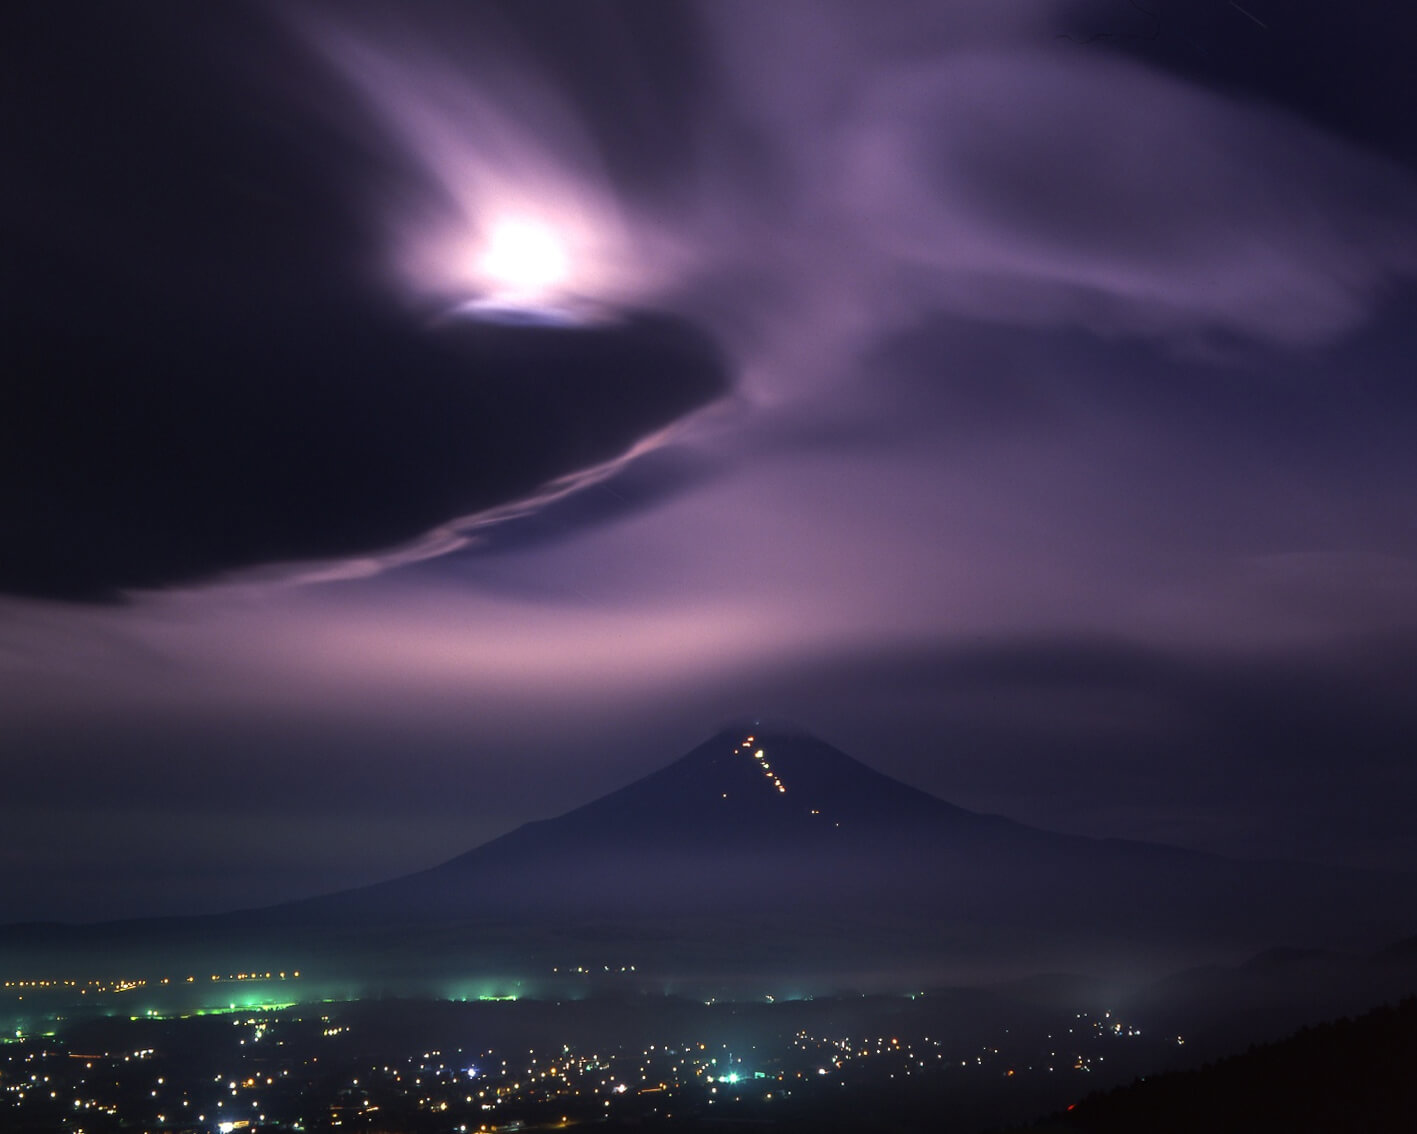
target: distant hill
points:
(1348, 1075)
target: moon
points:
(524, 262)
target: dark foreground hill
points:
(770, 853)
(1348, 1075)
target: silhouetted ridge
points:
(769, 847)
(736, 803)
(749, 819)
(778, 826)
(1347, 1075)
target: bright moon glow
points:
(524, 259)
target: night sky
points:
(418, 419)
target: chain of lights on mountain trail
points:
(772, 777)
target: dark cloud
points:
(1344, 68)
(201, 375)
(140, 459)
(640, 485)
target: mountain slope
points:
(781, 826)
(769, 851)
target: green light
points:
(485, 990)
(731, 1077)
(219, 1011)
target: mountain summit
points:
(772, 827)
(748, 820)
(766, 850)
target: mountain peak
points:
(752, 817)
(781, 727)
(770, 827)
(776, 772)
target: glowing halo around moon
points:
(505, 210)
(522, 273)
